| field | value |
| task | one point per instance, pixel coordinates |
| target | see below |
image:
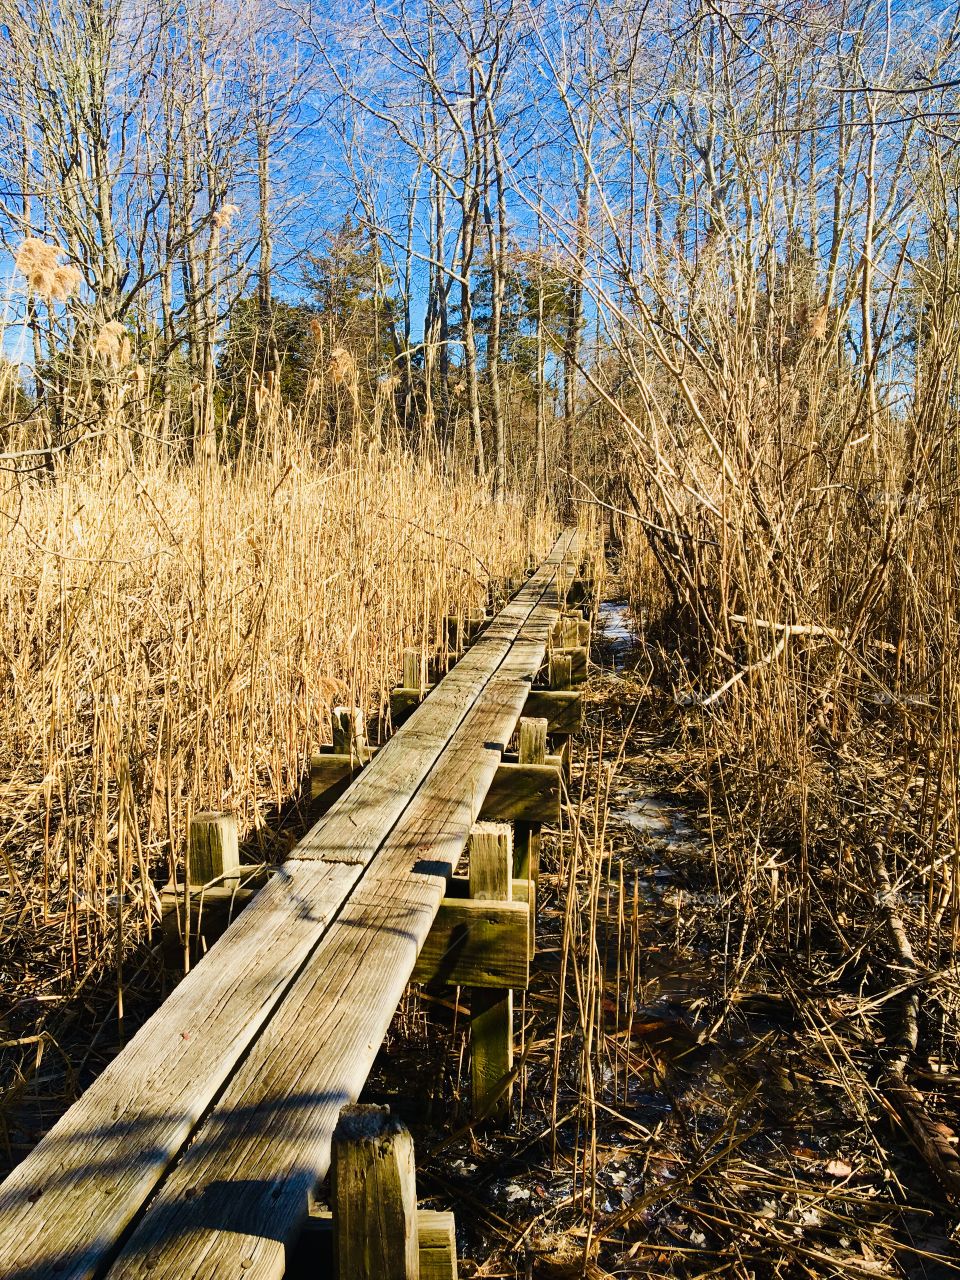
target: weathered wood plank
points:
(477, 944)
(329, 770)
(561, 708)
(523, 793)
(241, 1188)
(63, 1208)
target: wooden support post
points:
(438, 1245)
(560, 671)
(491, 1011)
(412, 669)
(526, 835)
(214, 852)
(187, 927)
(373, 1191)
(349, 733)
(566, 631)
(412, 691)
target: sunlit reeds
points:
(172, 637)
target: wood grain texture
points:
(373, 1189)
(562, 709)
(436, 1235)
(491, 1011)
(523, 793)
(255, 1052)
(477, 944)
(214, 850)
(63, 1208)
(240, 1191)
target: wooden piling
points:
(412, 669)
(349, 733)
(560, 669)
(526, 835)
(214, 849)
(491, 1011)
(373, 1190)
(560, 674)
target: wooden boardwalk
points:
(194, 1153)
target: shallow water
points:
(618, 631)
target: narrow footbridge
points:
(198, 1150)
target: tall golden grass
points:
(806, 617)
(172, 637)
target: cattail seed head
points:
(342, 367)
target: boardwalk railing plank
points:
(223, 1037)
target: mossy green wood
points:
(477, 944)
(373, 1189)
(491, 1011)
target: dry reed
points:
(172, 637)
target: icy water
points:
(617, 631)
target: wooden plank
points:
(458, 888)
(436, 1237)
(329, 769)
(266, 1143)
(403, 702)
(577, 656)
(63, 1209)
(523, 793)
(561, 708)
(373, 1191)
(477, 944)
